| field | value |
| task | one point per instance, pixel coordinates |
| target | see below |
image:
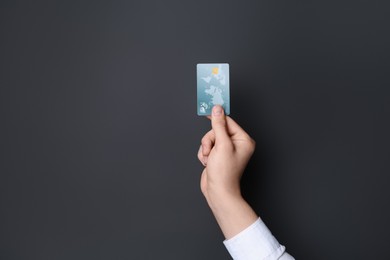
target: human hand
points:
(225, 151)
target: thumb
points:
(219, 125)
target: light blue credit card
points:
(213, 87)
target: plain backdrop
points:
(99, 132)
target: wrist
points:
(219, 189)
(222, 199)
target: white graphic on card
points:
(215, 92)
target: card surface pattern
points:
(213, 87)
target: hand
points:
(225, 152)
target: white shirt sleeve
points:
(256, 243)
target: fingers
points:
(207, 142)
(201, 157)
(234, 129)
(219, 125)
(231, 126)
(238, 134)
(225, 131)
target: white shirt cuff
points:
(254, 243)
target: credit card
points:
(212, 87)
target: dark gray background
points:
(99, 131)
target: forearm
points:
(231, 211)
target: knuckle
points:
(220, 126)
(205, 140)
(200, 155)
(226, 146)
(252, 145)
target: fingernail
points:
(217, 110)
